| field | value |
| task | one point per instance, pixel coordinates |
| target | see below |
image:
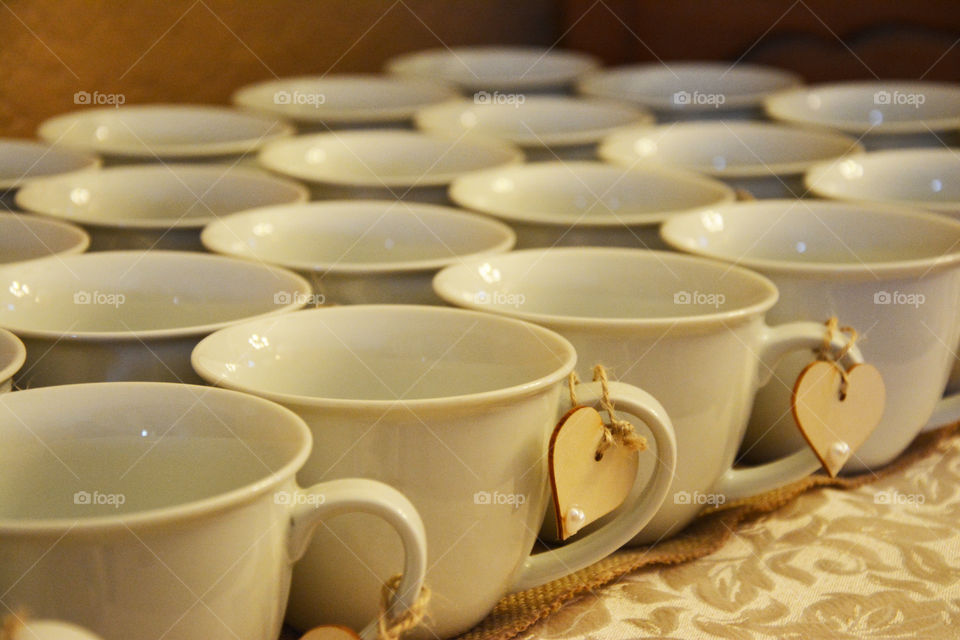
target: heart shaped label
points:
(330, 632)
(835, 424)
(586, 488)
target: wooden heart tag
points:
(586, 484)
(330, 632)
(836, 418)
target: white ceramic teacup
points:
(453, 408)
(544, 127)
(163, 132)
(25, 237)
(356, 251)
(154, 206)
(882, 114)
(343, 100)
(382, 163)
(586, 203)
(691, 90)
(21, 160)
(497, 69)
(689, 330)
(12, 356)
(153, 510)
(916, 178)
(892, 274)
(764, 159)
(132, 315)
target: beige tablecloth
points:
(879, 561)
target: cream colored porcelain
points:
(343, 100)
(356, 251)
(384, 163)
(149, 510)
(12, 356)
(163, 132)
(132, 315)
(918, 178)
(585, 203)
(162, 206)
(496, 68)
(453, 408)
(892, 274)
(26, 237)
(677, 90)
(767, 160)
(22, 160)
(883, 114)
(545, 127)
(691, 331)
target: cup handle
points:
(775, 343)
(352, 495)
(639, 507)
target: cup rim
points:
(252, 177)
(81, 237)
(86, 159)
(247, 97)
(893, 268)
(439, 404)
(588, 84)
(576, 63)
(449, 295)
(8, 369)
(431, 119)
(298, 298)
(316, 210)
(778, 107)
(609, 150)
(388, 136)
(456, 192)
(178, 512)
(52, 129)
(822, 169)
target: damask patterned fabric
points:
(879, 561)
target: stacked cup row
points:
(454, 408)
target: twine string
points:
(392, 629)
(617, 432)
(827, 352)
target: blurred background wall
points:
(200, 50)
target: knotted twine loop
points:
(618, 432)
(827, 354)
(392, 629)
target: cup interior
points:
(342, 97)
(163, 130)
(585, 193)
(356, 235)
(92, 451)
(879, 106)
(156, 195)
(22, 159)
(603, 287)
(534, 121)
(28, 237)
(155, 293)
(928, 178)
(658, 85)
(382, 158)
(12, 355)
(817, 235)
(494, 66)
(384, 354)
(727, 148)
